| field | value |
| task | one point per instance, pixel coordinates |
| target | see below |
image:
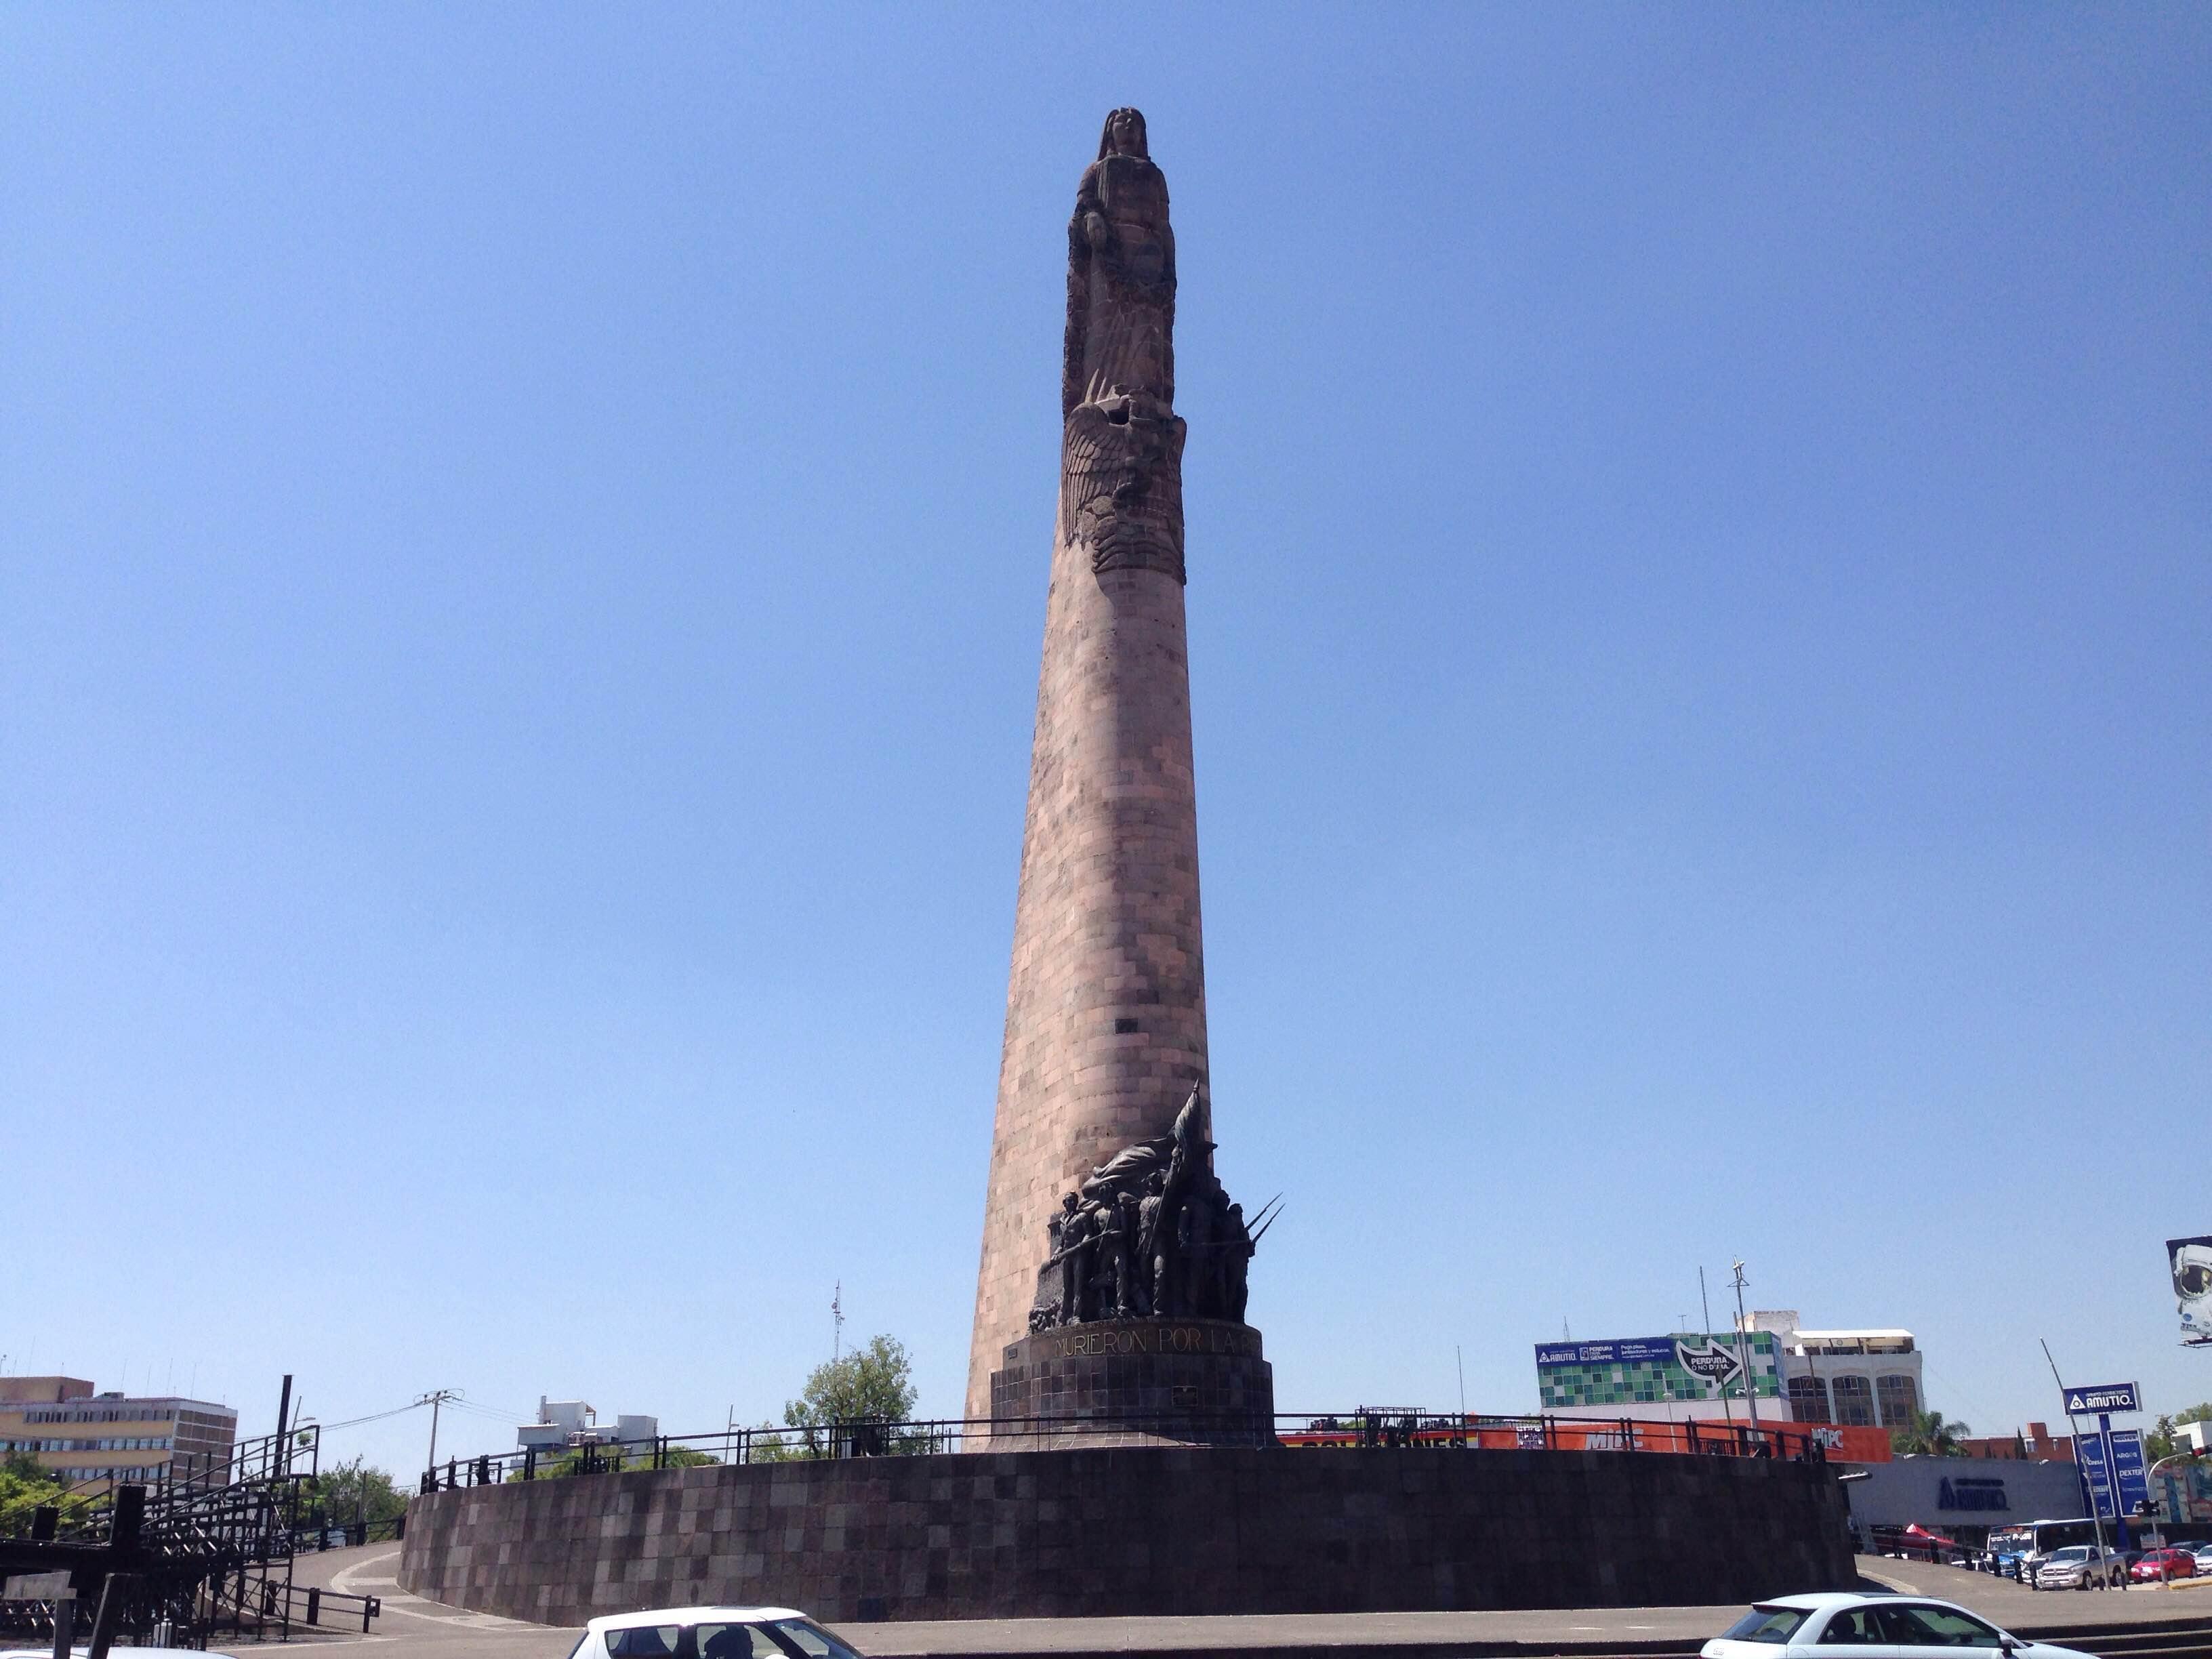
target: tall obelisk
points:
(1106, 1001)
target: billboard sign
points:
(2102, 1397)
(1644, 1369)
(1715, 1365)
(2189, 1261)
(2182, 1489)
(1629, 1350)
(2127, 1460)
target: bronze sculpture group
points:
(1151, 1235)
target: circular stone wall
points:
(1204, 1529)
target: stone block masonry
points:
(1106, 998)
(1134, 1531)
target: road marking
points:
(343, 1582)
(435, 1612)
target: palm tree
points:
(1928, 1435)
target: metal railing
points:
(255, 1601)
(1393, 1430)
(347, 1534)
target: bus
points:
(2016, 1552)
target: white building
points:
(1866, 1379)
(564, 1423)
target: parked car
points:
(709, 1634)
(2081, 1566)
(1903, 1627)
(2203, 1558)
(2160, 1565)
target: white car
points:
(1892, 1626)
(710, 1633)
(2078, 1566)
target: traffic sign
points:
(2103, 1397)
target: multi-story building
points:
(80, 1435)
(1856, 1379)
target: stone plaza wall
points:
(1122, 1532)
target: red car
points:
(2163, 1565)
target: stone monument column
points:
(1105, 1034)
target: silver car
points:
(2078, 1566)
(1899, 1627)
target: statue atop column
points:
(1120, 275)
(1122, 463)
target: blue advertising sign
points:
(2127, 1458)
(2103, 1397)
(1631, 1350)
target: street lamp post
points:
(1743, 1358)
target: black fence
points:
(338, 1536)
(1363, 1427)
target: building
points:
(2037, 1444)
(1961, 1498)
(564, 1423)
(1855, 1379)
(80, 1435)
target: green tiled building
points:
(1655, 1369)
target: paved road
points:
(2004, 1603)
(411, 1626)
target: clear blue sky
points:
(526, 537)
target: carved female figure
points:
(1120, 274)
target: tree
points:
(613, 1459)
(346, 1492)
(1928, 1435)
(872, 1384)
(25, 1486)
(767, 1444)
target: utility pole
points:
(282, 1463)
(1743, 1358)
(2112, 1481)
(436, 1398)
(837, 1321)
(1705, 1307)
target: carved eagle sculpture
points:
(1121, 483)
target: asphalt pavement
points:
(411, 1627)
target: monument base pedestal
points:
(1135, 1381)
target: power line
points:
(495, 1412)
(374, 1417)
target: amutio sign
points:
(2104, 1397)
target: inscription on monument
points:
(1146, 1337)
